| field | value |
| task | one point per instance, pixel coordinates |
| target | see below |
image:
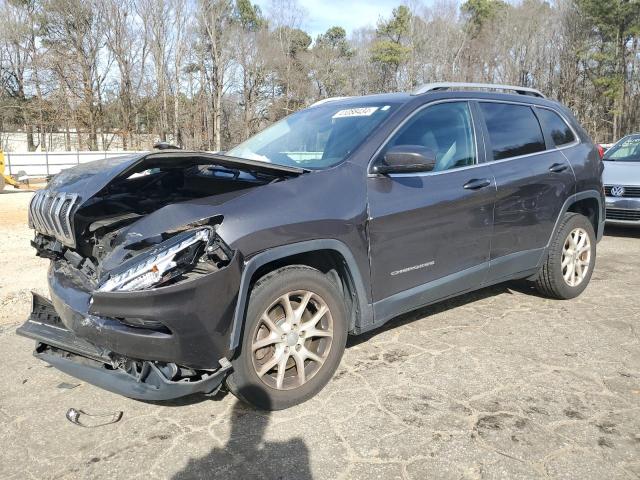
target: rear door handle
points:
(558, 167)
(477, 183)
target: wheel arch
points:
(332, 257)
(583, 203)
(590, 208)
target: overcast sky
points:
(349, 14)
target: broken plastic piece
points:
(74, 416)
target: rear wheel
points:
(294, 338)
(570, 260)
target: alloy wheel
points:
(576, 257)
(292, 340)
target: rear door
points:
(431, 228)
(533, 181)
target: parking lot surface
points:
(500, 383)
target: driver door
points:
(430, 232)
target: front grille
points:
(50, 214)
(629, 191)
(622, 214)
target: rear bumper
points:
(144, 380)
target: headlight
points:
(160, 264)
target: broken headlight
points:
(167, 260)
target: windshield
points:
(626, 150)
(316, 138)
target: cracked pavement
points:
(500, 383)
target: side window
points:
(446, 129)
(513, 129)
(556, 126)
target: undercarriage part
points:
(141, 379)
(87, 420)
(144, 380)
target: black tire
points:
(550, 281)
(244, 381)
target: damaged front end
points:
(142, 303)
(140, 379)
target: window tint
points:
(513, 130)
(446, 129)
(556, 126)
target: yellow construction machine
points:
(4, 179)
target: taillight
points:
(601, 151)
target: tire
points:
(319, 330)
(557, 281)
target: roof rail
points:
(431, 87)
(326, 100)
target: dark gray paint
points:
(378, 224)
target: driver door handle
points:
(477, 183)
(557, 167)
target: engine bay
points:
(149, 185)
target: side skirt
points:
(524, 264)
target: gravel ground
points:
(498, 384)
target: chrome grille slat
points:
(46, 207)
(40, 222)
(55, 211)
(64, 214)
(31, 224)
(622, 214)
(50, 214)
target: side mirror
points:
(406, 159)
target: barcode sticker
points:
(355, 112)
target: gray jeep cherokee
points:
(173, 272)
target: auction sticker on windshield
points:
(355, 112)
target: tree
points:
(479, 13)
(328, 62)
(390, 50)
(74, 32)
(615, 26)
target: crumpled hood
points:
(87, 179)
(621, 173)
(257, 210)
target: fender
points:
(276, 253)
(573, 199)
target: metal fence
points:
(42, 164)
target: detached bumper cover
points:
(72, 355)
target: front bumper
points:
(195, 316)
(144, 380)
(622, 210)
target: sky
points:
(349, 14)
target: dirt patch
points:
(20, 270)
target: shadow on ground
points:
(247, 454)
(622, 232)
(442, 306)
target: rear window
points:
(513, 130)
(556, 126)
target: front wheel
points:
(294, 337)
(570, 260)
